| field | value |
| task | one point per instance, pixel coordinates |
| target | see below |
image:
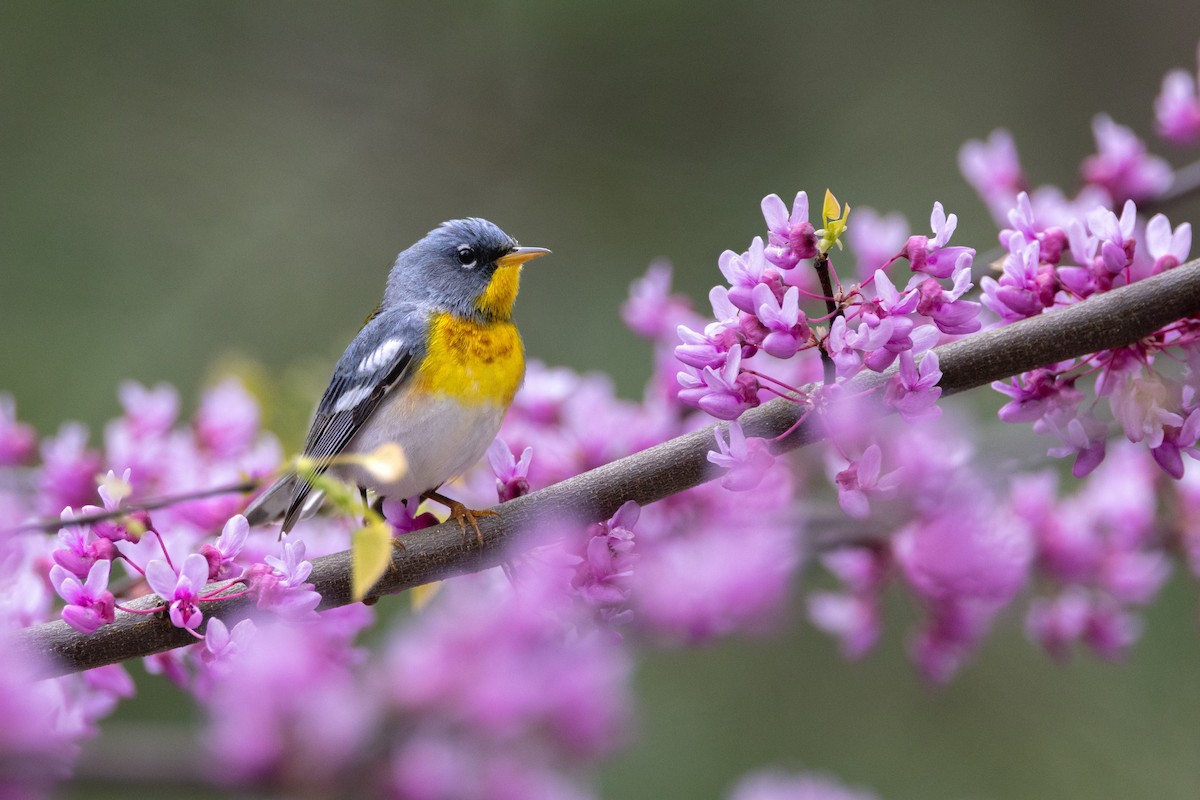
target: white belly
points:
(441, 439)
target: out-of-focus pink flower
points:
(1121, 164)
(227, 420)
(913, 391)
(745, 459)
(1177, 108)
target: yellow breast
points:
(473, 362)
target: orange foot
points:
(462, 515)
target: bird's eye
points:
(467, 257)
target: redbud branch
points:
(832, 308)
(54, 523)
(1114, 319)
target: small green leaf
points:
(370, 553)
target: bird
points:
(432, 371)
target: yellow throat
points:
(477, 362)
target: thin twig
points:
(1114, 319)
(54, 523)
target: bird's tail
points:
(273, 503)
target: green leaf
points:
(370, 554)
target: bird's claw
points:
(468, 516)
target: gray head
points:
(466, 266)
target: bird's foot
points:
(463, 516)
(469, 516)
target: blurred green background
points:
(183, 183)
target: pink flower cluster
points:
(1061, 253)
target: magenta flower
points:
(855, 620)
(68, 473)
(89, 604)
(17, 439)
(934, 256)
(1177, 108)
(220, 557)
(1036, 394)
(1168, 249)
(745, 459)
(1051, 239)
(1121, 164)
(1027, 286)
(227, 420)
(181, 591)
(847, 345)
(1177, 441)
(791, 238)
(1145, 407)
(745, 271)
(651, 311)
(965, 552)
(788, 329)
(122, 529)
(948, 311)
(402, 516)
(605, 571)
(913, 391)
(993, 169)
(280, 583)
(861, 480)
(875, 238)
(79, 549)
(149, 413)
(1082, 436)
(724, 394)
(512, 475)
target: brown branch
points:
(1114, 319)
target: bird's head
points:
(466, 266)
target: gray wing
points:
(379, 359)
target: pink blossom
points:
(1168, 249)
(913, 391)
(745, 459)
(875, 238)
(17, 439)
(651, 311)
(934, 256)
(227, 420)
(1177, 108)
(512, 474)
(993, 169)
(220, 557)
(745, 271)
(90, 604)
(1122, 166)
(791, 238)
(860, 480)
(181, 591)
(725, 394)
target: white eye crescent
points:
(467, 257)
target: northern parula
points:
(433, 370)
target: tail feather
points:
(271, 504)
(281, 501)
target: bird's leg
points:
(461, 514)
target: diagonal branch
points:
(1111, 320)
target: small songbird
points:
(433, 370)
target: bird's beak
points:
(520, 255)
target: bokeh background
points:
(190, 187)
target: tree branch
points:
(1111, 320)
